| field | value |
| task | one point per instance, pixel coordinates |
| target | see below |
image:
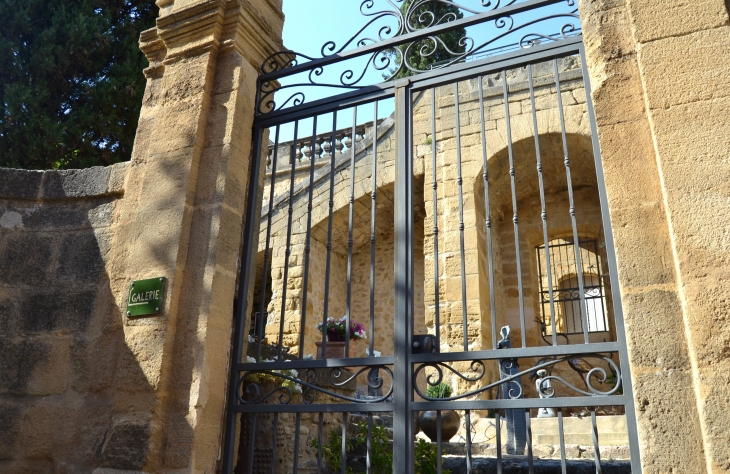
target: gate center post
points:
(403, 225)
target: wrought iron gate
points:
(423, 242)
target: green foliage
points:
(269, 376)
(442, 390)
(425, 457)
(381, 454)
(71, 81)
(332, 451)
(612, 380)
(427, 15)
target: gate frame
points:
(403, 361)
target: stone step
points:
(520, 465)
(514, 465)
(542, 451)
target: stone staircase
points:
(546, 457)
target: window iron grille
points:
(571, 300)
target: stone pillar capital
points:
(186, 29)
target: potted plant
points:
(336, 330)
(450, 420)
(270, 378)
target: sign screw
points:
(129, 313)
(162, 278)
(157, 309)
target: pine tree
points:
(438, 10)
(71, 81)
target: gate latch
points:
(424, 344)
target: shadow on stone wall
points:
(62, 350)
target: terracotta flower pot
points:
(450, 424)
(334, 337)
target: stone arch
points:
(527, 191)
(527, 194)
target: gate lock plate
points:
(424, 344)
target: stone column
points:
(659, 76)
(182, 219)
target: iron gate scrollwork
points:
(400, 236)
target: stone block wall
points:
(84, 388)
(659, 73)
(61, 340)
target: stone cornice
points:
(212, 25)
(154, 49)
(248, 30)
(193, 30)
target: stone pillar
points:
(659, 73)
(182, 219)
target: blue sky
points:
(309, 24)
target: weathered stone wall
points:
(61, 338)
(287, 292)
(659, 77)
(86, 388)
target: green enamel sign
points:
(145, 297)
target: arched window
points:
(568, 300)
(563, 279)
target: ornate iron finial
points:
(381, 49)
(505, 342)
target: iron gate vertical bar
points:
(465, 320)
(307, 239)
(571, 201)
(403, 271)
(515, 221)
(618, 316)
(369, 446)
(434, 186)
(267, 251)
(287, 252)
(487, 215)
(297, 425)
(373, 209)
(343, 465)
(543, 207)
(350, 223)
(330, 207)
(530, 460)
(239, 323)
(439, 467)
(459, 183)
(561, 435)
(498, 429)
(596, 446)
